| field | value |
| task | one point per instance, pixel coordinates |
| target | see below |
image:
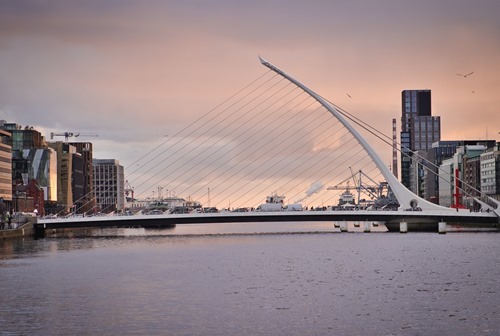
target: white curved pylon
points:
(404, 196)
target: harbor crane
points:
(374, 192)
(68, 135)
(129, 191)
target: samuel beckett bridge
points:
(277, 137)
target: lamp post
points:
(160, 194)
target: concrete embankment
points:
(21, 230)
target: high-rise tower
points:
(419, 129)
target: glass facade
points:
(418, 129)
(42, 166)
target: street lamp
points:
(160, 194)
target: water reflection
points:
(74, 240)
(240, 228)
(27, 247)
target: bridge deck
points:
(282, 216)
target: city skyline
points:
(137, 72)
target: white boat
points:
(274, 202)
(346, 198)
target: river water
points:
(278, 279)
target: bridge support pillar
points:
(343, 226)
(39, 231)
(367, 227)
(442, 227)
(403, 227)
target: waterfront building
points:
(452, 182)
(419, 129)
(21, 139)
(42, 166)
(440, 151)
(446, 181)
(5, 171)
(64, 171)
(85, 187)
(109, 185)
(418, 173)
(472, 172)
(490, 171)
(29, 198)
(30, 160)
(69, 178)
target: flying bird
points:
(348, 95)
(470, 73)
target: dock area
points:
(19, 230)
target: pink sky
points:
(134, 71)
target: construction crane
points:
(67, 135)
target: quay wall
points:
(23, 230)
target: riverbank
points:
(23, 230)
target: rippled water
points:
(311, 282)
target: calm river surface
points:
(296, 279)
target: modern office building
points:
(440, 151)
(32, 166)
(490, 171)
(109, 185)
(453, 188)
(22, 138)
(419, 129)
(445, 186)
(85, 187)
(472, 181)
(42, 167)
(70, 174)
(62, 170)
(418, 173)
